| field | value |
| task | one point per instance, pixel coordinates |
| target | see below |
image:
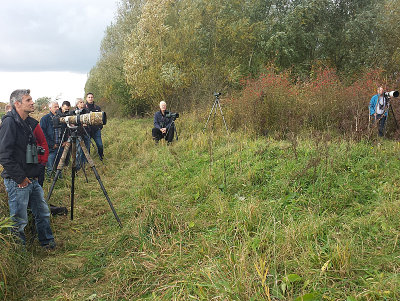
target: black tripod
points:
(214, 108)
(71, 145)
(175, 130)
(59, 148)
(389, 107)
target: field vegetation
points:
(222, 217)
(300, 201)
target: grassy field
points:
(221, 217)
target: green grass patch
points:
(224, 217)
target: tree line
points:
(183, 50)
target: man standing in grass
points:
(21, 169)
(377, 111)
(95, 130)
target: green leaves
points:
(166, 50)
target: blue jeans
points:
(18, 200)
(97, 139)
(52, 158)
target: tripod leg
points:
(73, 165)
(215, 113)
(223, 118)
(59, 169)
(58, 151)
(91, 163)
(84, 172)
(93, 145)
(176, 133)
(209, 115)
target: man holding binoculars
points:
(19, 158)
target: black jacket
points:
(15, 134)
(161, 121)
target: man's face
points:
(163, 106)
(65, 108)
(54, 107)
(26, 105)
(90, 98)
(380, 90)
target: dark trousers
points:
(41, 175)
(169, 136)
(99, 143)
(381, 126)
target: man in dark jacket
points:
(163, 126)
(21, 170)
(53, 136)
(95, 130)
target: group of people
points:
(29, 150)
(24, 180)
(56, 136)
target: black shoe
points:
(58, 210)
(50, 246)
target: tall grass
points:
(225, 217)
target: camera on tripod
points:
(216, 94)
(92, 118)
(391, 94)
(172, 115)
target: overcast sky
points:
(49, 46)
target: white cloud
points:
(57, 85)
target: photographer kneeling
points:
(163, 124)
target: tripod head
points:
(217, 94)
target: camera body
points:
(172, 115)
(217, 94)
(40, 150)
(57, 118)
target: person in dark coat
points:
(163, 125)
(21, 170)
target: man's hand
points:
(24, 183)
(163, 130)
(64, 143)
(55, 146)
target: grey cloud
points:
(52, 35)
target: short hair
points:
(89, 93)
(66, 103)
(162, 102)
(52, 102)
(17, 96)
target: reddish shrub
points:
(275, 102)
